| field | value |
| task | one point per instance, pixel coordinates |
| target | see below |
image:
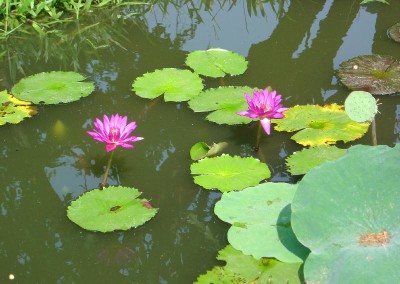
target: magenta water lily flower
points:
(114, 132)
(264, 105)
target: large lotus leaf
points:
(176, 85)
(113, 208)
(216, 62)
(243, 269)
(320, 125)
(394, 32)
(347, 212)
(52, 87)
(13, 110)
(361, 106)
(227, 173)
(260, 218)
(224, 103)
(301, 162)
(377, 74)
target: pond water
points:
(49, 160)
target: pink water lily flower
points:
(264, 105)
(114, 132)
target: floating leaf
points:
(176, 85)
(224, 103)
(227, 173)
(301, 162)
(394, 32)
(244, 269)
(53, 87)
(260, 218)
(320, 125)
(13, 110)
(347, 212)
(361, 106)
(371, 1)
(377, 74)
(216, 62)
(113, 208)
(201, 150)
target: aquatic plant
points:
(201, 150)
(13, 110)
(361, 106)
(394, 32)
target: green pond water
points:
(49, 160)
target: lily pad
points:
(53, 88)
(371, 1)
(301, 162)
(320, 125)
(361, 106)
(377, 74)
(201, 150)
(216, 62)
(260, 218)
(224, 102)
(227, 173)
(176, 85)
(347, 212)
(394, 32)
(243, 269)
(13, 110)
(110, 209)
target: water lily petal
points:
(266, 124)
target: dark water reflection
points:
(294, 47)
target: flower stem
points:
(373, 131)
(259, 131)
(104, 181)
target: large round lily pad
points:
(394, 32)
(347, 212)
(227, 173)
(216, 62)
(113, 208)
(52, 88)
(13, 110)
(176, 85)
(377, 74)
(260, 218)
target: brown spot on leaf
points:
(147, 205)
(372, 239)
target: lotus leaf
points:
(260, 218)
(224, 103)
(13, 110)
(216, 62)
(242, 269)
(361, 106)
(176, 85)
(201, 150)
(394, 32)
(227, 173)
(301, 162)
(347, 212)
(320, 125)
(113, 208)
(53, 88)
(377, 74)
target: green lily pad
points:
(224, 102)
(216, 62)
(347, 212)
(13, 110)
(377, 74)
(176, 85)
(110, 209)
(201, 150)
(361, 106)
(320, 125)
(394, 32)
(260, 218)
(227, 173)
(243, 269)
(301, 162)
(52, 88)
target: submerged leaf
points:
(394, 32)
(201, 150)
(227, 173)
(53, 87)
(176, 85)
(13, 110)
(113, 208)
(361, 106)
(377, 74)
(320, 125)
(216, 62)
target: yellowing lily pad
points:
(13, 110)
(318, 125)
